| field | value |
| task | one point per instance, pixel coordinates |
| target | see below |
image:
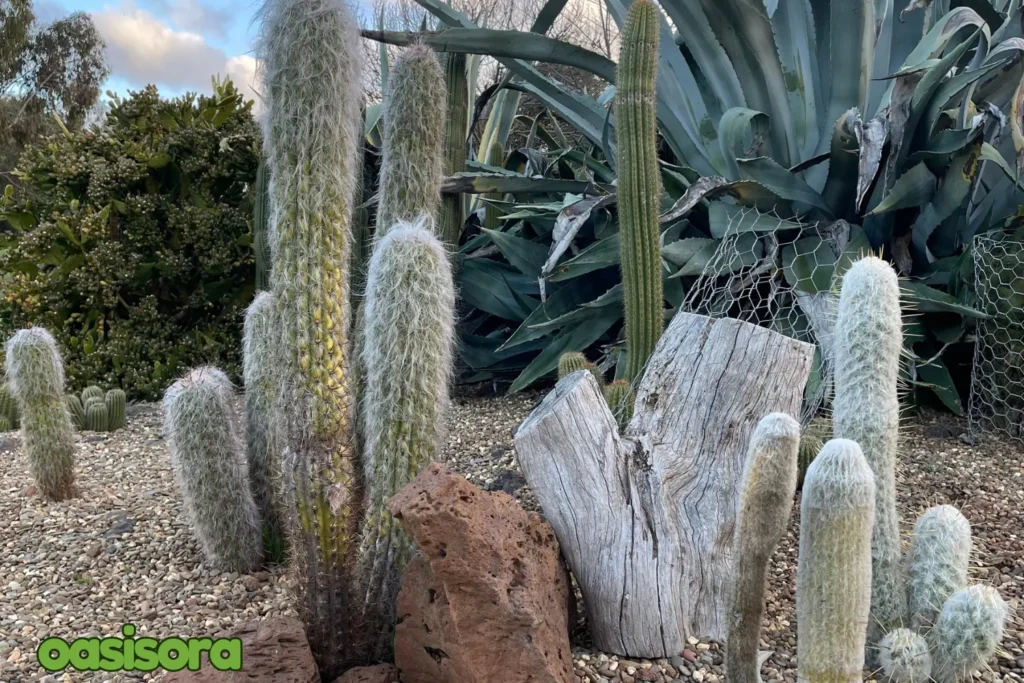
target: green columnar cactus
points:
(833, 581)
(8, 406)
(312, 91)
(492, 214)
(814, 437)
(97, 417)
(35, 376)
(91, 392)
(407, 348)
(868, 342)
(905, 658)
(115, 401)
(413, 133)
(209, 460)
(261, 227)
(76, 410)
(639, 184)
(966, 633)
(264, 445)
(766, 499)
(454, 145)
(937, 561)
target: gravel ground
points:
(122, 553)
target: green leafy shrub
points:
(132, 241)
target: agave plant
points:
(807, 129)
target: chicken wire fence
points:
(779, 274)
(997, 381)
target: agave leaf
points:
(488, 183)
(809, 264)
(480, 352)
(852, 44)
(495, 288)
(745, 192)
(729, 219)
(526, 256)
(871, 137)
(601, 254)
(585, 311)
(935, 376)
(779, 180)
(956, 184)
(681, 251)
(925, 299)
(916, 187)
(990, 153)
(731, 131)
(842, 166)
(565, 299)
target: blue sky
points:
(176, 44)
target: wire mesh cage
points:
(997, 381)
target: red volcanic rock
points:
(382, 673)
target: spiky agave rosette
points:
(311, 67)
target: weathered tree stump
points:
(646, 520)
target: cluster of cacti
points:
(97, 411)
(766, 499)
(9, 416)
(450, 222)
(208, 455)
(35, 377)
(639, 184)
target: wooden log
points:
(646, 520)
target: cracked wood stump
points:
(646, 520)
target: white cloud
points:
(142, 49)
(193, 15)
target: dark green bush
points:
(132, 242)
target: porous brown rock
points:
(381, 673)
(487, 598)
(273, 651)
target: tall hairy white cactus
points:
(868, 342)
(833, 582)
(35, 377)
(766, 499)
(208, 455)
(937, 562)
(407, 342)
(967, 632)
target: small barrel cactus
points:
(617, 395)
(115, 401)
(766, 499)
(905, 658)
(937, 562)
(967, 633)
(833, 582)
(570, 362)
(76, 409)
(97, 417)
(209, 459)
(91, 392)
(35, 375)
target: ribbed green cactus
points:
(814, 437)
(570, 362)
(262, 430)
(905, 658)
(868, 342)
(766, 499)
(115, 401)
(492, 214)
(617, 395)
(451, 219)
(413, 132)
(91, 392)
(639, 184)
(35, 376)
(966, 633)
(261, 227)
(408, 339)
(97, 417)
(833, 582)
(5, 424)
(8, 406)
(937, 562)
(208, 456)
(76, 410)
(312, 90)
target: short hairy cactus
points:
(766, 499)
(868, 342)
(116, 401)
(450, 222)
(408, 338)
(639, 184)
(97, 417)
(937, 562)
(91, 392)
(904, 657)
(833, 582)
(967, 633)
(311, 58)
(35, 376)
(202, 429)
(413, 137)
(76, 410)
(262, 430)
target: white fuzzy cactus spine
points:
(868, 342)
(35, 377)
(904, 657)
(937, 562)
(967, 633)
(766, 500)
(833, 584)
(408, 337)
(208, 456)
